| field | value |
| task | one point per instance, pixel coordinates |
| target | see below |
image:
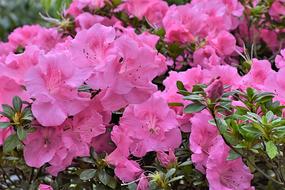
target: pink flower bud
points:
(45, 187)
(215, 90)
(166, 159)
(143, 183)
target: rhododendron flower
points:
(10, 88)
(277, 8)
(53, 83)
(206, 57)
(231, 78)
(280, 59)
(223, 174)
(224, 42)
(41, 146)
(17, 65)
(44, 38)
(202, 138)
(150, 127)
(259, 72)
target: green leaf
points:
(193, 97)
(233, 155)
(269, 116)
(104, 177)
(170, 173)
(22, 134)
(4, 125)
(175, 104)
(271, 149)
(87, 174)
(194, 107)
(132, 186)
(17, 104)
(180, 85)
(176, 178)
(8, 110)
(11, 143)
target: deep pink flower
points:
(45, 187)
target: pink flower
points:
(224, 42)
(277, 9)
(128, 170)
(165, 159)
(206, 57)
(44, 38)
(202, 138)
(156, 12)
(231, 78)
(41, 146)
(280, 59)
(270, 38)
(53, 83)
(10, 88)
(17, 65)
(45, 187)
(259, 72)
(150, 127)
(223, 174)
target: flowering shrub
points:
(146, 95)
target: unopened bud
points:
(166, 160)
(215, 90)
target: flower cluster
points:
(76, 84)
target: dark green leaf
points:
(8, 110)
(87, 174)
(17, 104)
(180, 85)
(104, 177)
(11, 143)
(175, 104)
(22, 134)
(194, 107)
